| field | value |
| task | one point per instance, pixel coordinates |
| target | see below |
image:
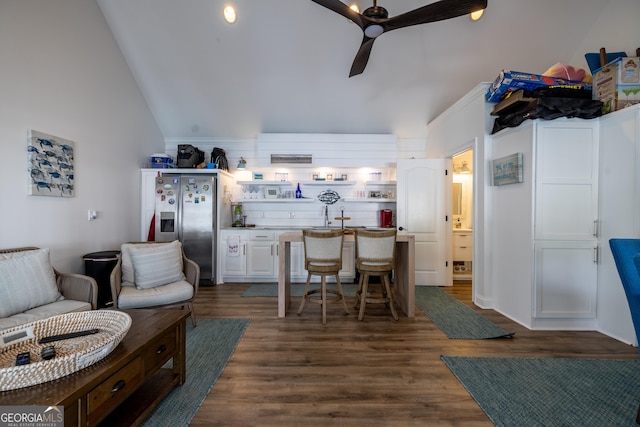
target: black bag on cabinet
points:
(219, 159)
(189, 156)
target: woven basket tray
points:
(71, 354)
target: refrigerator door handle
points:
(180, 212)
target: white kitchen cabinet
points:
(262, 259)
(348, 272)
(565, 280)
(462, 254)
(545, 238)
(147, 200)
(234, 259)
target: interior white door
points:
(421, 211)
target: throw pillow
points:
(157, 265)
(27, 280)
(125, 258)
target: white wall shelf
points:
(328, 182)
(369, 200)
(380, 183)
(262, 182)
(277, 200)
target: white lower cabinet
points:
(348, 272)
(566, 280)
(234, 254)
(262, 258)
(256, 257)
(462, 254)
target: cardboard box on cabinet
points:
(617, 84)
(509, 81)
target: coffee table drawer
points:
(114, 390)
(159, 351)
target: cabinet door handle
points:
(595, 228)
(595, 255)
(118, 386)
(161, 349)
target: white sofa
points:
(31, 289)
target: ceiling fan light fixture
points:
(355, 8)
(374, 30)
(229, 14)
(475, 16)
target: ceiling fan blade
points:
(362, 57)
(341, 8)
(438, 11)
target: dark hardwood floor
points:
(295, 371)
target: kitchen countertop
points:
(283, 227)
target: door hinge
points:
(446, 172)
(446, 263)
(446, 218)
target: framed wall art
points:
(50, 165)
(508, 169)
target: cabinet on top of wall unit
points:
(545, 237)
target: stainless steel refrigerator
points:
(185, 210)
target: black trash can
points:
(99, 265)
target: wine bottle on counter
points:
(298, 192)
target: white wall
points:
(465, 125)
(616, 29)
(63, 74)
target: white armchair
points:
(154, 274)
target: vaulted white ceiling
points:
(284, 65)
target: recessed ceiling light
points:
(476, 15)
(230, 14)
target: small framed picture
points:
(315, 176)
(271, 192)
(344, 176)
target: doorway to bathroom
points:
(462, 217)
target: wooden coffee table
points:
(131, 379)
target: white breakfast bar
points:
(404, 274)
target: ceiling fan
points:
(374, 21)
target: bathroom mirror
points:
(457, 198)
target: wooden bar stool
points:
(323, 257)
(375, 256)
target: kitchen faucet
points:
(326, 216)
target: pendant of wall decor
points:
(328, 197)
(50, 165)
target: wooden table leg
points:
(284, 277)
(405, 291)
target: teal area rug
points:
(551, 392)
(454, 318)
(210, 345)
(271, 290)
